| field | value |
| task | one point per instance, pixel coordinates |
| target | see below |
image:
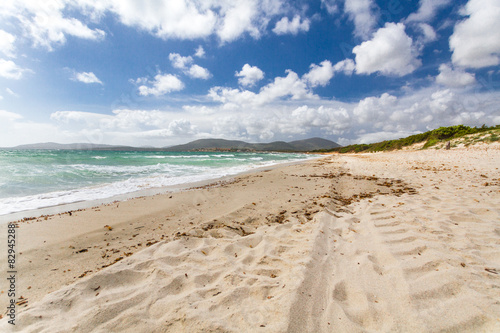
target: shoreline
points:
(125, 227)
(85, 204)
(398, 241)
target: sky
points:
(159, 73)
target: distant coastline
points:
(202, 145)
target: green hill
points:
(221, 144)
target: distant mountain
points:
(200, 145)
(313, 144)
(215, 144)
(221, 144)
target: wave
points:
(69, 183)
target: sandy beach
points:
(405, 241)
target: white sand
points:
(424, 262)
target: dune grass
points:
(431, 138)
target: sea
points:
(33, 179)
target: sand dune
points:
(394, 242)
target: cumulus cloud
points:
(161, 85)
(330, 120)
(346, 66)
(200, 52)
(296, 25)
(238, 20)
(475, 42)
(185, 19)
(194, 71)
(249, 75)
(48, 24)
(179, 61)
(390, 52)
(456, 78)
(198, 72)
(9, 70)
(373, 118)
(427, 10)
(362, 13)
(289, 87)
(374, 110)
(320, 75)
(167, 19)
(180, 127)
(86, 77)
(7, 43)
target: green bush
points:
(431, 142)
(431, 138)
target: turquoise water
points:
(31, 179)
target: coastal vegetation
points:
(468, 135)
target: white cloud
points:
(49, 23)
(161, 85)
(361, 12)
(131, 127)
(456, 78)
(249, 75)
(167, 19)
(427, 10)
(475, 42)
(373, 118)
(194, 71)
(389, 52)
(9, 70)
(320, 75)
(86, 77)
(200, 52)
(374, 110)
(346, 66)
(428, 33)
(198, 72)
(7, 43)
(179, 61)
(330, 5)
(284, 26)
(291, 87)
(180, 127)
(237, 20)
(89, 119)
(330, 120)
(45, 23)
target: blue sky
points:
(158, 73)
